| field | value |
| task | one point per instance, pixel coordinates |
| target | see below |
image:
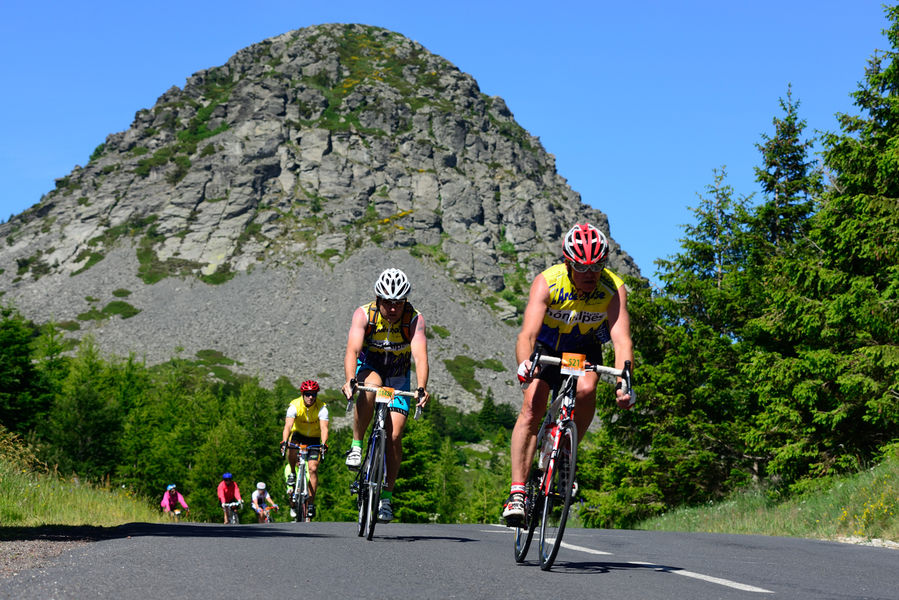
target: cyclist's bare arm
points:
(285, 435)
(324, 428)
(538, 301)
(620, 331)
(355, 339)
(419, 346)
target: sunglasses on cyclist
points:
(310, 394)
(595, 267)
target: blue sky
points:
(639, 101)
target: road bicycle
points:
(231, 509)
(551, 482)
(301, 497)
(177, 514)
(267, 513)
(372, 475)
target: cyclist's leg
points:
(585, 402)
(312, 469)
(395, 425)
(399, 412)
(524, 434)
(292, 453)
(365, 402)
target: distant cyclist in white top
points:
(260, 497)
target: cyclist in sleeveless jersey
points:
(574, 306)
(306, 423)
(385, 337)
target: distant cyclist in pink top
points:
(170, 498)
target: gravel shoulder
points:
(23, 548)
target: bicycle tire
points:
(362, 478)
(376, 476)
(362, 508)
(557, 495)
(299, 494)
(524, 533)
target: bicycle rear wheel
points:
(376, 477)
(525, 532)
(557, 495)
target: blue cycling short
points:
(399, 404)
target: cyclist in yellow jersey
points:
(385, 337)
(574, 306)
(306, 423)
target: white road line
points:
(717, 580)
(709, 578)
(583, 549)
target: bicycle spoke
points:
(525, 532)
(557, 496)
(376, 475)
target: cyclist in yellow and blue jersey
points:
(385, 337)
(574, 306)
(306, 423)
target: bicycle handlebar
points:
(626, 373)
(372, 388)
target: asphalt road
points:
(328, 560)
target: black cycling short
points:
(551, 373)
(297, 438)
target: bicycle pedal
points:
(514, 522)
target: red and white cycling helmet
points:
(585, 245)
(392, 284)
(310, 385)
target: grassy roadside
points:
(863, 506)
(30, 496)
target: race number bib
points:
(573, 364)
(385, 395)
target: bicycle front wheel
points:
(525, 532)
(376, 478)
(557, 487)
(299, 495)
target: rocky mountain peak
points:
(302, 153)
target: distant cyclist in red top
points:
(574, 306)
(228, 492)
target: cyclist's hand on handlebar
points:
(625, 400)
(283, 448)
(349, 388)
(423, 396)
(525, 374)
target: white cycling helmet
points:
(392, 284)
(260, 486)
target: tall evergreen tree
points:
(788, 179)
(835, 303)
(20, 395)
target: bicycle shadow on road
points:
(583, 567)
(424, 538)
(90, 533)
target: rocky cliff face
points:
(250, 212)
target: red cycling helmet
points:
(310, 385)
(585, 245)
